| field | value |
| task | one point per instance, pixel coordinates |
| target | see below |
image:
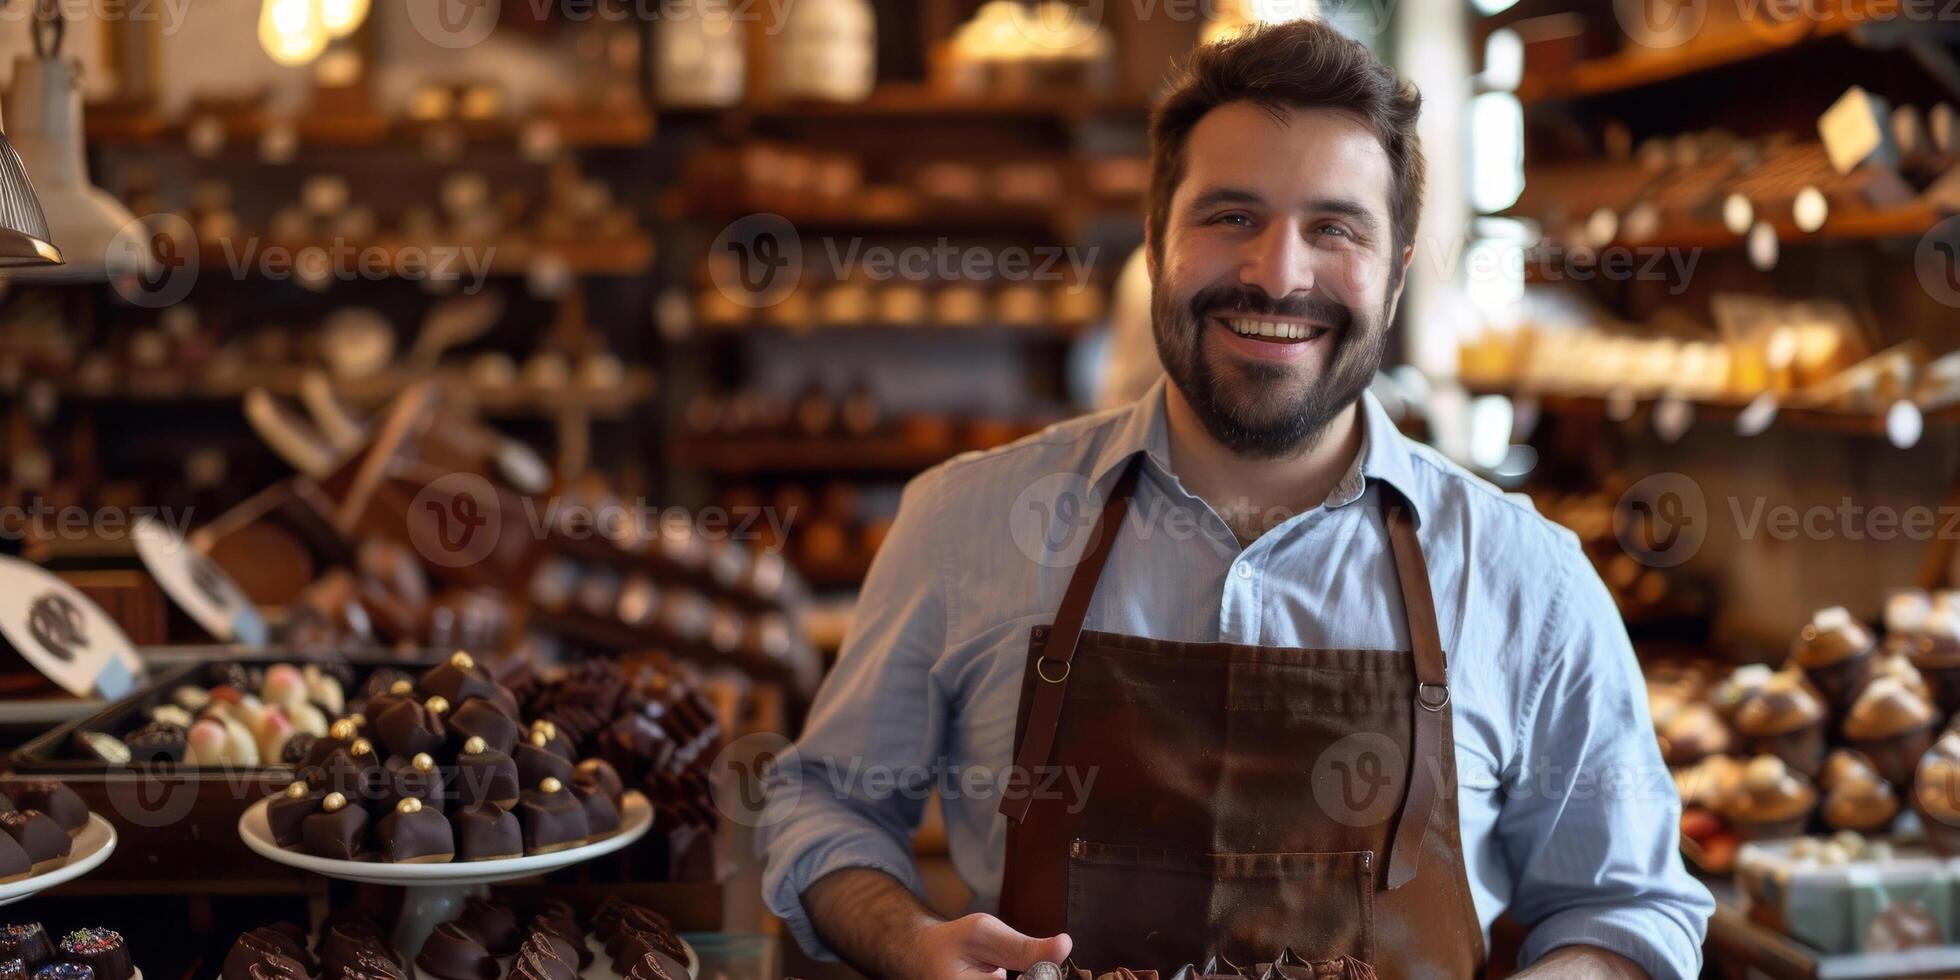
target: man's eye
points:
(1233, 218)
(1335, 230)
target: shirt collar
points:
(1385, 452)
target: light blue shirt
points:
(1569, 819)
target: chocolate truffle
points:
(562, 945)
(416, 778)
(265, 945)
(101, 950)
(484, 775)
(633, 945)
(64, 971)
(551, 818)
(601, 816)
(536, 760)
(26, 942)
(338, 831)
(486, 832)
(656, 966)
(408, 728)
(602, 774)
(557, 741)
(536, 960)
(354, 947)
(13, 969)
(286, 812)
(298, 745)
(493, 922)
(382, 680)
(415, 834)
(46, 844)
(158, 741)
(451, 953)
(457, 680)
(478, 718)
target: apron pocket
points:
(1147, 907)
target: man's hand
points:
(1584, 963)
(878, 926)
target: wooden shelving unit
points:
(1637, 66)
(109, 125)
(508, 257)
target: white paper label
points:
(64, 634)
(197, 585)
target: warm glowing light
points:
(293, 32)
(342, 17)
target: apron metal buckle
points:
(1041, 670)
(1424, 691)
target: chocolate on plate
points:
(13, 969)
(557, 741)
(457, 679)
(656, 966)
(408, 727)
(55, 800)
(486, 832)
(493, 922)
(601, 773)
(338, 831)
(64, 971)
(101, 950)
(44, 841)
(286, 812)
(158, 741)
(416, 778)
(415, 834)
(551, 818)
(14, 863)
(601, 815)
(536, 960)
(478, 718)
(279, 951)
(536, 760)
(484, 775)
(27, 942)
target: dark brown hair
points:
(1299, 64)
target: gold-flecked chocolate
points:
(361, 747)
(475, 746)
(462, 661)
(334, 803)
(550, 784)
(342, 729)
(409, 804)
(296, 789)
(422, 762)
(438, 705)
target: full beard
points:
(1261, 410)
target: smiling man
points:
(1238, 669)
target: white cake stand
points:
(88, 849)
(435, 892)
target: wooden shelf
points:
(1638, 66)
(1812, 419)
(109, 126)
(921, 103)
(770, 455)
(512, 257)
(924, 332)
(515, 401)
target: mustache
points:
(1245, 300)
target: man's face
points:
(1279, 273)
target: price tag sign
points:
(205, 592)
(64, 634)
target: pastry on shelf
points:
(1862, 801)
(1936, 795)
(1786, 720)
(1693, 733)
(1892, 726)
(1771, 802)
(1743, 683)
(1935, 650)
(1835, 652)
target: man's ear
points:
(1401, 282)
(1150, 246)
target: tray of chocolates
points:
(439, 770)
(30, 952)
(47, 837)
(491, 938)
(224, 715)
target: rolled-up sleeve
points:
(1590, 823)
(853, 789)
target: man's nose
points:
(1278, 261)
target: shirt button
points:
(1245, 571)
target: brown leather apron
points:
(1246, 799)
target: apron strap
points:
(1053, 666)
(1432, 689)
